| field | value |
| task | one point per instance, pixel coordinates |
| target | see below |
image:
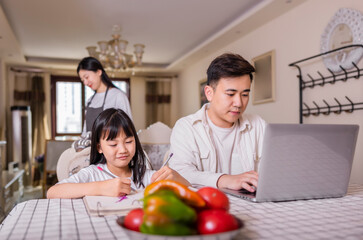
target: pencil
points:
(166, 162)
(109, 174)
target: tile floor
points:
(32, 193)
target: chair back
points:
(155, 141)
(53, 150)
(156, 133)
(70, 162)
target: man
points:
(218, 145)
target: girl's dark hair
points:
(228, 65)
(92, 64)
(108, 125)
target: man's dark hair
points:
(228, 65)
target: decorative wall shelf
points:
(346, 74)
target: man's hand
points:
(247, 180)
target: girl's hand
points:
(168, 173)
(116, 187)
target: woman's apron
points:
(92, 113)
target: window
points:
(68, 101)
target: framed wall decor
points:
(202, 97)
(263, 84)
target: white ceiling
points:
(174, 31)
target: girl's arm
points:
(113, 188)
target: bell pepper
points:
(170, 228)
(183, 192)
(166, 203)
(166, 214)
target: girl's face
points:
(119, 151)
(91, 79)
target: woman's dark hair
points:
(108, 125)
(92, 64)
(228, 65)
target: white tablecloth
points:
(335, 218)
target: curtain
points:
(22, 89)
(158, 96)
(39, 120)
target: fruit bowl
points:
(142, 236)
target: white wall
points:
(294, 36)
(174, 103)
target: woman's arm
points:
(113, 188)
(120, 101)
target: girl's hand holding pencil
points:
(115, 187)
(121, 184)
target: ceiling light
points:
(112, 54)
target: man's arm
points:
(187, 159)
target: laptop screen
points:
(305, 161)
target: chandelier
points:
(112, 54)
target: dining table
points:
(330, 218)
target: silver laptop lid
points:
(304, 161)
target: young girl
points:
(115, 148)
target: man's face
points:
(228, 100)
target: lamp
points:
(113, 54)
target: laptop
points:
(303, 161)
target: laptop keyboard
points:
(244, 191)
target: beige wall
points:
(137, 101)
(2, 100)
(294, 36)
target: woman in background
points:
(106, 95)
